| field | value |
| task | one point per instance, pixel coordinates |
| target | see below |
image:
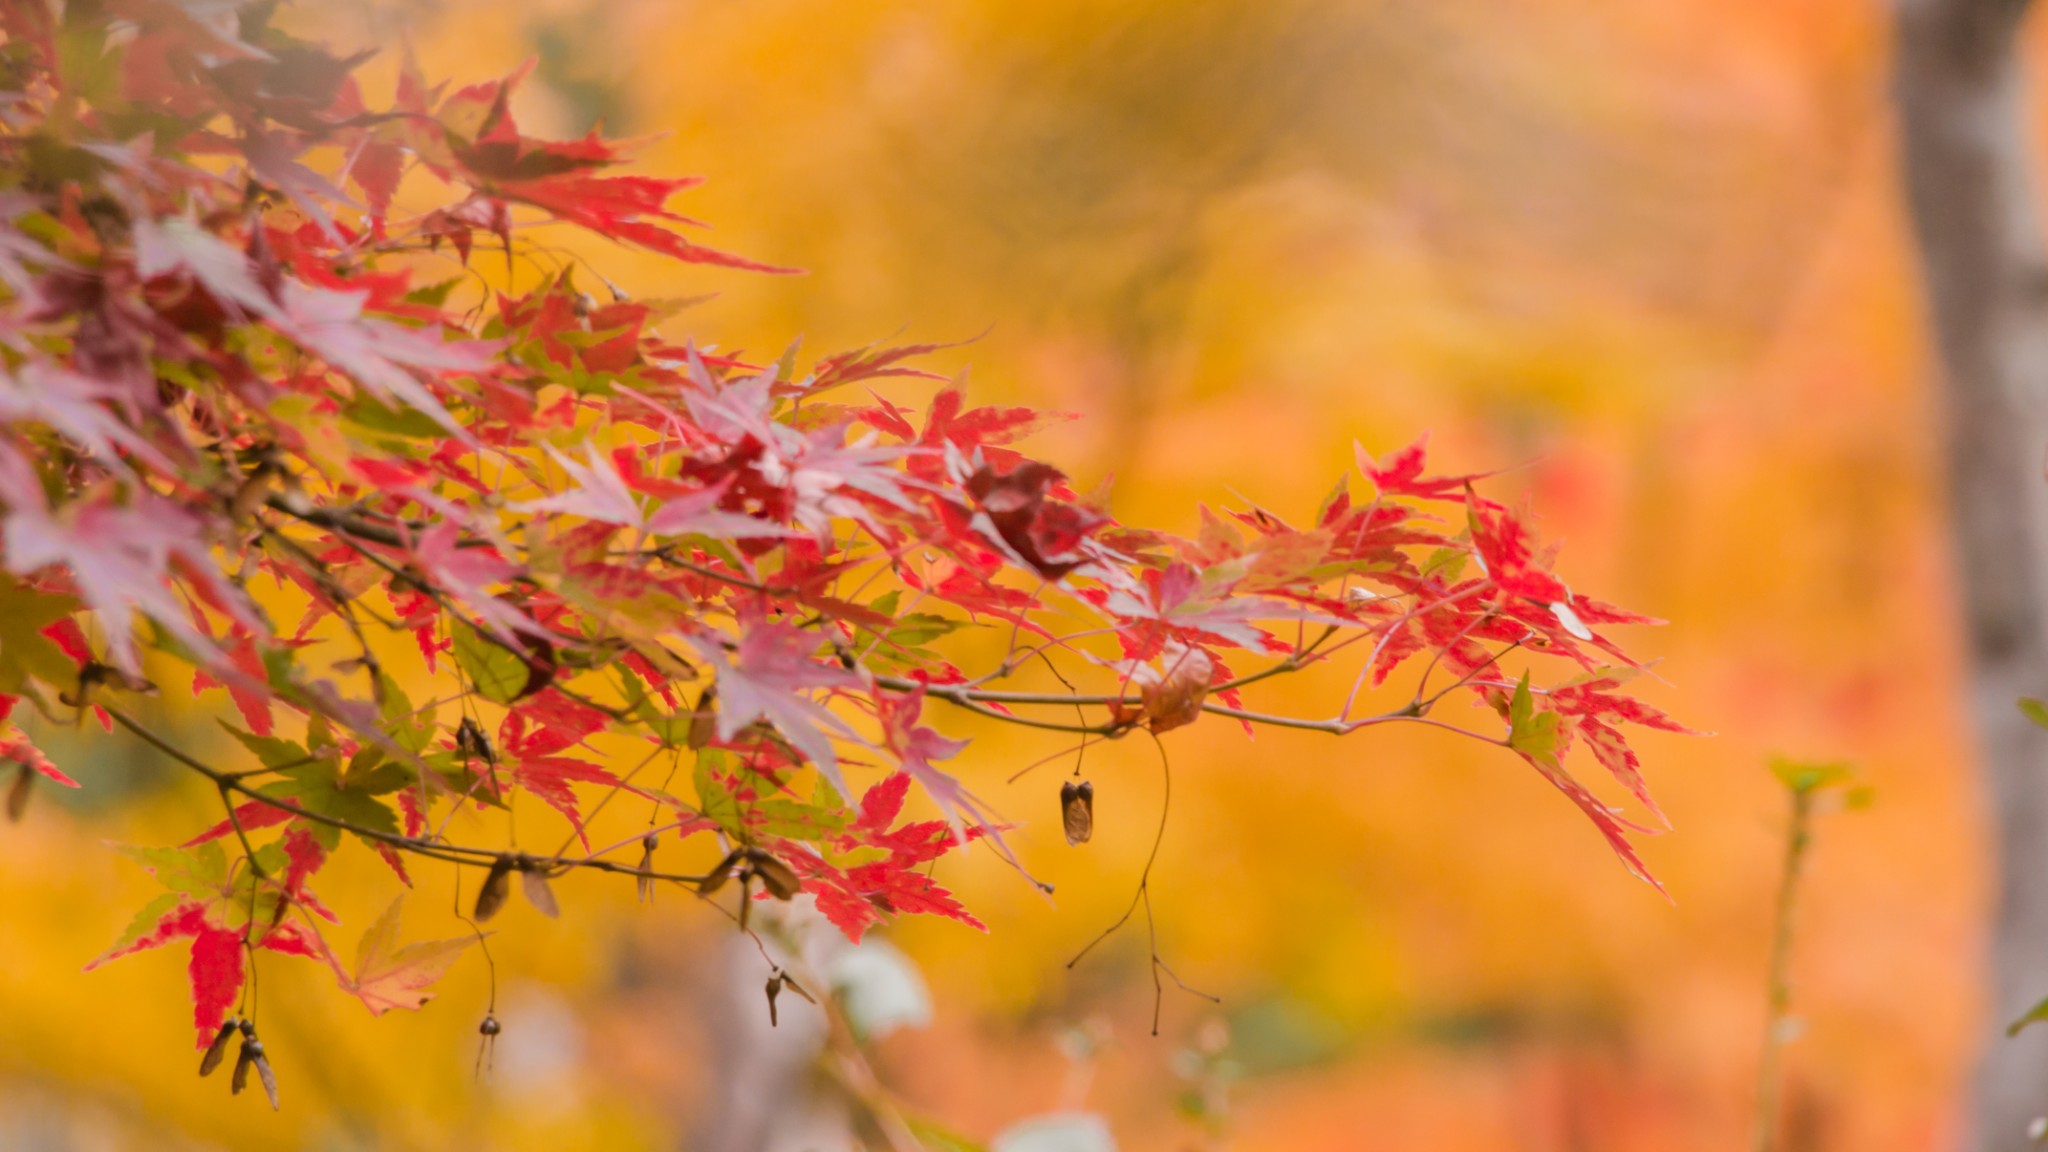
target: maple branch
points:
(444, 852)
(1334, 727)
(1107, 728)
(961, 696)
(226, 782)
(296, 506)
(668, 556)
(955, 694)
(975, 700)
(326, 516)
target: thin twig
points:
(448, 853)
(1798, 839)
(1143, 897)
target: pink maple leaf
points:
(764, 678)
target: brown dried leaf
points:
(1174, 695)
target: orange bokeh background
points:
(1651, 256)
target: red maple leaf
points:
(16, 746)
(856, 898)
(978, 435)
(1015, 510)
(1402, 474)
(551, 777)
(1506, 547)
(215, 970)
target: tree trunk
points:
(1967, 173)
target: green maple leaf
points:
(1534, 734)
(714, 799)
(499, 675)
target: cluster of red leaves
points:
(860, 895)
(225, 358)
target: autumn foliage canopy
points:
(273, 429)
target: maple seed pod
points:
(17, 796)
(1077, 811)
(644, 885)
(774, 990)
(252, 1049)
(538, 892)
(125, 681)
(473, 743)
(497, 886)
(93, 674)
(219, 1048)
(780, 880)
(250, 495)
(486, 1049)
(716, 878)
(790, 983)
(264, 1073)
